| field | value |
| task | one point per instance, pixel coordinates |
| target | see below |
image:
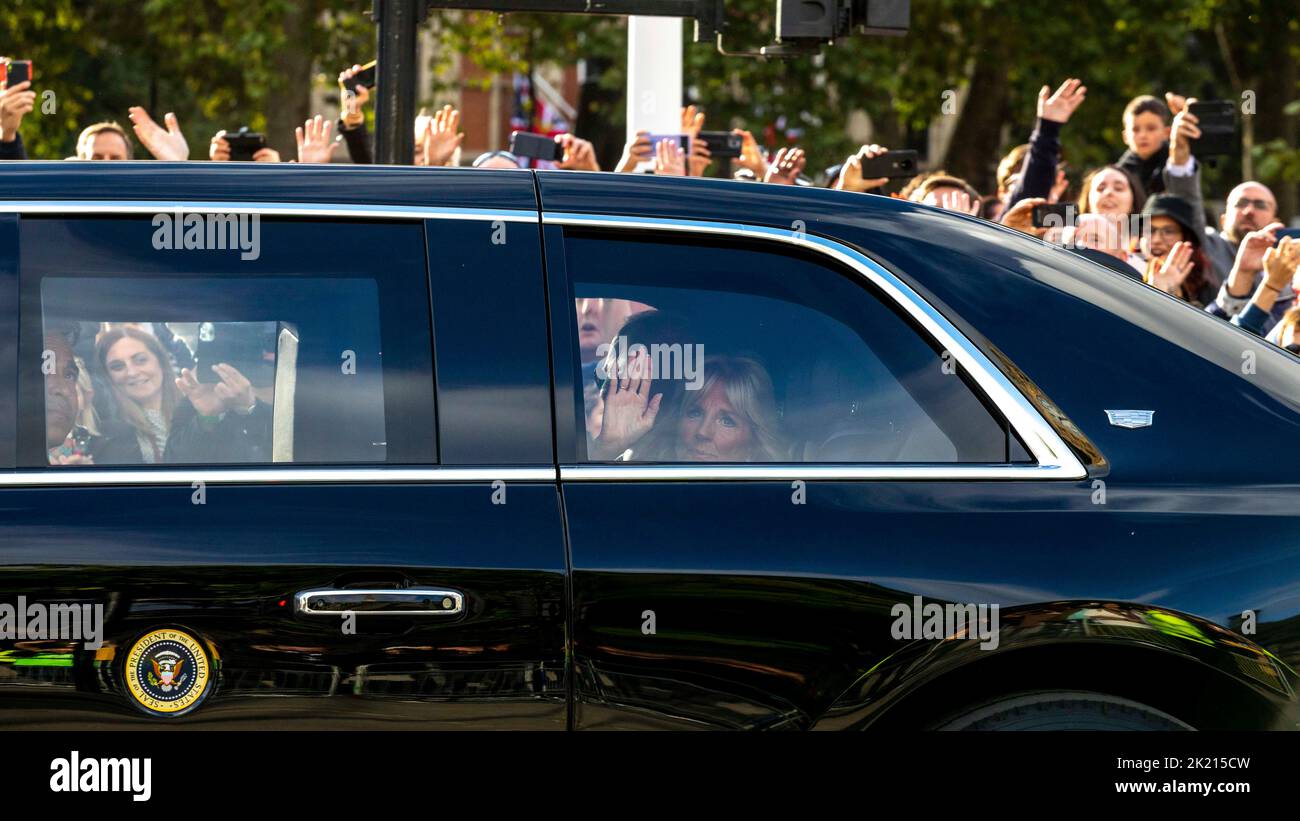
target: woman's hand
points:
(850, 178)
(751, 156)
(314, 143)
(637, 151)
(786, 166)
(234, 393)
(219, 148)
(630, 411)
(441, 138)
(354, 102)
(578, 154)
(266, 155)
(670, 159)
(1168, 275)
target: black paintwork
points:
(768, 615)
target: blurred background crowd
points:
(995, 109)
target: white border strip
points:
(811, 473)
(1054, 457)
(75, 476)
(288, 209)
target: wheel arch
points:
(1221, 681)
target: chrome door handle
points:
(410, 601)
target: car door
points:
(332, 554)
(815, 448)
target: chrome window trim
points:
(77, 477)
(290, 209)
(1054, 458)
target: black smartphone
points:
(534, 146)
(20, 71)
(244, 143)
(364, 77)
(1054, 214)
(1218, 123)
(722, 143)
(892, 164)
(1293, 233)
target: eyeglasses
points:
(1170, 231)
(1258, 205)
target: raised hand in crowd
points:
(168, 144)
(437, 144)
(670, 159)
(234, 393)
(579, 154)
(352, 102)
(751, 156)
(219, 150)
(1280, 264)
(1169, 272)
(1059, 105)
(638, 150)
(954, 199)
(14, 103)
(1182, 131)
(315, 143)
(692, 125)
(1250, 259)
(786, 166)
(850, 178)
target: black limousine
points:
(371, 447)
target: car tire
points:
(1062, 710)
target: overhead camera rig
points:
(802, 28)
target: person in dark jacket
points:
(1040, 173)
(1182, 272)
(163, 419)
(1146, 133)
(14, 103)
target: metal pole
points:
(395, 80)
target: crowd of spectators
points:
(1144, 214)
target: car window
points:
(192, 359)
(721, 352)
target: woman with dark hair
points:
(162, 418)
(1176, 262)
(1114, 194)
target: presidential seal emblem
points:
(167, 673)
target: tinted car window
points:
(758, 354)
(302, 355)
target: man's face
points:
(1145, 133)
(108, 145)
(600, 319)
(61, 403)
(1250, 207)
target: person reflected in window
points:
(177, 420)
(67, 442)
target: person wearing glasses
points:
(1249, 227)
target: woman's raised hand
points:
(233, 393)
(630, 411)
